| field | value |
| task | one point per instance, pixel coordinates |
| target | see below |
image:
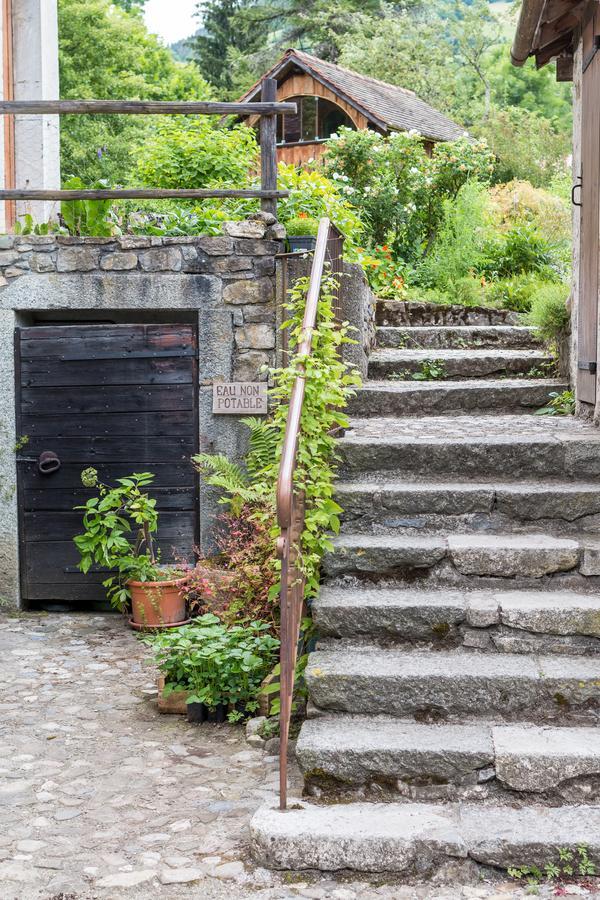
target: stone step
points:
(417, 838)
(350, 751)
(454, 684)
(401, 556)
(404, 506)
(443, 336)
(426, 398)
(398, 312)
(478, 447)
(455, 364)
(505, 620)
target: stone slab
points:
(445, 336)
(392, 837)
(458, 363)
(382, 553)
(506, 556)
(359, 749)
(539, 759)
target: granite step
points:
(455, 685)
(471, 446)
(404, 556)
(403, 505)
(446, 336)
(346, 752)
(417, 838)
(523, 621)
(430, 398)
(411, 313)
(463, 363)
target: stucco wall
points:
(226, 283)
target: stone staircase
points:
(454, 695)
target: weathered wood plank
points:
(51, 526)
(141, 107)
(268, 148)
(133, 450)
(46, 372)
(46, 499)
(140, 194)
(75, 342)
(178, 422)
(173, 475)
(105, 398)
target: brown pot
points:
(157, 604)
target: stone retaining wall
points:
(226, 284)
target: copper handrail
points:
(290, 513)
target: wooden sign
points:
(240, 398)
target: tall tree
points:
(221, 34)
(107, 53)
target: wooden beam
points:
(554, 9)
(564, 68)
(551, 51)
(139, 194)
(565, 24)
(268, 147)
(140, 108)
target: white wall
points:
(35, 77)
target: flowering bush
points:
(386, 276)
(398, 189)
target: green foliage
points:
(313, 194)
(458, 247)
(571, 863)
(386, 275)
(561, 404)
(27, 225)
(549, 313)
(195, 152)
(118, 522)
(527, 146)
(216, 663)
(398, 189)
(514, 293)
(329, 382)
(87, 217)
(521, 249)
(301, 226)
(106, 52)
(250, 485)
(221, 35)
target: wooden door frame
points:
(25, 602)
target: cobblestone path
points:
(102, 798)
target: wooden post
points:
(10, 207)
(268, 147)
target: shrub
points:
(386, 275)
(521, 249)
(519, 203)
(218, 664)
(514, 293)
(398, 189)
(549, 313)
(196, 152)
(302, 225)
(458, 247)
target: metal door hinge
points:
(590, 367)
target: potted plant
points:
(301, 233)
(222, 667)
(119, 527)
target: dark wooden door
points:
(120, 398)
(587, 338)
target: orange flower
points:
(303, 215)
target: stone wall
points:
(225, 283)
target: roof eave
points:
(527, 26)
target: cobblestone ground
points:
(102, 798)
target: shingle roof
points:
(386, 105)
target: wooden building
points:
(568, 32)
(329, 96)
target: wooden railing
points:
(290, 514)
(267, 109)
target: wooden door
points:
(120, 398)
(587, 338)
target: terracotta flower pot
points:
(157, 604)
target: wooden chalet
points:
(329, 96)
(567, 32)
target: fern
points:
(262, 447)
(231, 478)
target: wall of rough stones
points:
(225, 283)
